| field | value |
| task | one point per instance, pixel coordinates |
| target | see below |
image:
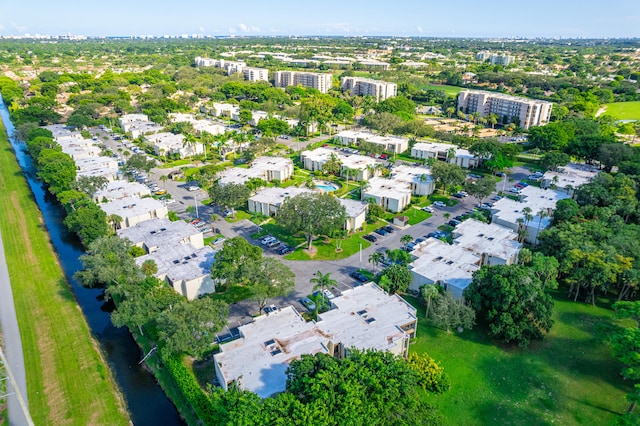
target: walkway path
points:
(13, 344)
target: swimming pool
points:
(326, 186)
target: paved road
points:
(12, 342)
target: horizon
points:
(548, 20)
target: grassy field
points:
(570, 378)
(449, 90)
(67, 379)
(624, 110)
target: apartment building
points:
(156, 234)
(133, 210)
(266, 168)
(268, 200)
(540, 203)
(319, 81)
(569, 177)
(255, 74)
(495, 58)
(522, 111)
(495, 244)
(366, 167)
(121, 189)
(168, 143)
(394, 144)
(359, 86)
(391, 195)
(364, 317)
(445, 152)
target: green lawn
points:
(449, 90)
(233, 294)
(238, 216)
(68, 381)
(624, 110)
(570, 378)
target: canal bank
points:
(145, 400)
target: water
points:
(327, 187)
(147, 403)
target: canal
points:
(146, 402)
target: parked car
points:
(453, 223)
(409, 247)
(439, 204)
(328, 294)
(308, 303)
(359, 277)
(219, 240)
(501, 174)
(284, 250)
(428, 209)
(388, 228)
(273, 243)
(205, 230)
(370, 237)
(420, 240)
(269, 309)
(381, 231)
(514, 190)
(160, 192)
(193, 188)
(458, 195)
(267, 240)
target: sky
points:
(427, 18)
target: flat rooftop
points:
(364, 317)
(352, 161)
(442, 147)
(385, 187)
(275, 196)
(439, 261)
(479, 237)
(572, 174)
(354, 208)
(159, 233)
(537, 199)
(131, 206)
(411, 175)
(121, 189)
(181, 262)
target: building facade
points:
(521, 111)
(359, 86)
(320, 81)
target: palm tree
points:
(114, 220)
(450, 111)
(429, 291)
(164, 179)
(149, 268)
(522, 230)
(322, 281)
(375, 258)
(406, 239)
(493, 119)
(541, 215)
(348, 172)
(189, 142)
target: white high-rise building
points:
(509, 109)
(380, 90)
(256, 74)
(319, 81)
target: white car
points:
(193, 188)
(514, 190)
(439, 204)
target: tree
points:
(447, 174)
(139, 162)
(235, 252)
(108, 262)
(57, 170)
(267, 278)
(552, 159)
(431, 376)
(89, 221)
(91, 184)
(406, 239)
(626, 347)
(323, 281)
(398, 256)
(231, 195)
(449, 312)
(271, 127)
(481, 188)
(190, 326)
(428, 292)
(370, 387)
(396, 279)
(164, 179)
(149, 268)
(612, 154)
(312, 214)
(374, 259)
(512, 301)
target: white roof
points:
(442, 147)
(536, 199)
(121, 189)
(259, 168)
(60, 130)
(384, 187)
(158, 233)
(572, 174)
(355, 161)
(181, 262)
(440, 262)
(479, 238)
(364, 317)
(131, 206)
(275, 196)
(410, 174)
(354, 208)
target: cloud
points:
(19, 28)
(248, 28)
(420, 30)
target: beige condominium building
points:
(509, 109)
(319, 81)
(380, 90)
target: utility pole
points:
(360, 256)
(195, 201)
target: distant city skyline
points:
(464, 18)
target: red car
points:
(383, 156)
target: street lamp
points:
(195, 201)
